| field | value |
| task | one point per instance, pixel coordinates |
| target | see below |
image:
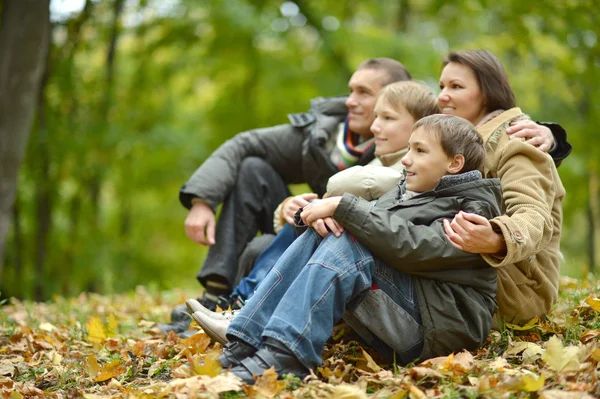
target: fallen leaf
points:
(206, 364)
(560, 358)
(525, 383)
(47, 327)
(109, 371)
(528, 326)
(346, 391)
(558, 394)
(7, 369)
(113, 323)
(96, 331)
(92, 367)
(369, 363)
(594, 303)
(268, 384)
(588, 336)
(418, 373)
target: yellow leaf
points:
(197, 343)
(268, 384)
(525, 383)
(96, 332)
(109, 371)
(559, 358)
(530, 324)
(47, 327)
(205, 364)
(594, 303)
(92, 367)
(370, 362)
(113, 323)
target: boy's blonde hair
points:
(418, 99)
(457, 136)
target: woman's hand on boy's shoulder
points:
(473, 233)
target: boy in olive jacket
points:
(403, 285)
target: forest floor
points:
(97, 346)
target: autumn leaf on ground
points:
(560, 358)
(109, 371)
(111, 328)
(91, 366)
(524, 383)
(367, 363)
(205, 364)
(346, 391)
(528, 326)
(594, 303)
(268, 384)
(530, 351)
(96, 331)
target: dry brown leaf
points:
(589, 335)
(197, 343)
(109, 371)
(419, 373)
(367, 363)
(7, 368)
(268, 384)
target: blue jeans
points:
(309, 289)
(266, 261)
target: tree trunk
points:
(24, 37)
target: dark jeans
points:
(248, 209)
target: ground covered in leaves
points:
(96, 346)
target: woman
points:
(523, 244)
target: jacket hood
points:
(470, 184)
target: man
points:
(249, 173)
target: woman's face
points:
(460, 93)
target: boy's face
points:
(391, 128)
(426, 162)
(364, 85)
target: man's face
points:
(364, 85)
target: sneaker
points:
(214, 324)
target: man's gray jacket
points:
(456, 290)
(296, 151)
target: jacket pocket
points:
(389, 322)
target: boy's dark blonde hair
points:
(457, 136)
(418, 99)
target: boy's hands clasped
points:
(318, 214)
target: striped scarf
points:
(346, 153)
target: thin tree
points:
(24, 36)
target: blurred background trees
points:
(137, 93)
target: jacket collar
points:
(393, 158)
(490, 126)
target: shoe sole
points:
(212, 334)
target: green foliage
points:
(98, 205)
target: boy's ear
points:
(458, 161)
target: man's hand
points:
(200, 224)
(537, 135)
(474, 234)
(292, 205)
(318, 214)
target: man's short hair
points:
(418, 99)
(457, 136)
(490, 74)
(395, 71)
